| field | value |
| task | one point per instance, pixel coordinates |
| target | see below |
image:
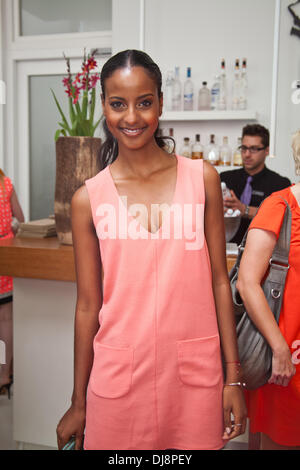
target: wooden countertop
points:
(43, 258)
(37, 258)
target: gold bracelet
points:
(233, 384)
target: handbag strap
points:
(282, 248)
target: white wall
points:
(199, 33)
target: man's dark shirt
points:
(263, 184)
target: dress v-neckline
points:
(127, 209)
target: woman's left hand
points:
(234, 404)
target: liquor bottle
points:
(177, 92)
(225, 153)
(186, 148)
(188, 104)
(204, 98)
(212, 152)
(243, 101)
(226, 193)
(197, 149)
(168, 92)
(237, 156)
(223, 87)
(236, 86)
(171, 144)
(215, 93)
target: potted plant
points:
(76, 147)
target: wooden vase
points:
(76, 161)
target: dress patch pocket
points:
(111, 374)
(199, 361)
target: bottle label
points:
(188, 97)
(197, 155)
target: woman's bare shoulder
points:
(80, 199)
(210, 176)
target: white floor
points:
(6, 431)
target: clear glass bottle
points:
(168, 92)
(237, 155)
(243, 101)
(225, 153)
(197, 149)
(177, 91)
(171, 144)
(204, 98)
(188, 103)
(186, 150)
(212, 152)
(215, 93)
(223, 87)
(236, 86)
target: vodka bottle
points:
(186, 150)
(225, 153)
(177, 92)
(168, 94)
(236, 86)
(212, 152)
(188, 92)
(226, 193)
(243, 101)
(215, 93)
(197, 149)
(204, 98)
(237, 156)
(223, 87)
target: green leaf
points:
(71, 110)
(84, 104)
(95, 126)
(60, 110)
(58, 132)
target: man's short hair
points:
(254, 130)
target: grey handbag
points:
(254, 352)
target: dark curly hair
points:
(257, 130)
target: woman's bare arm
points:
(254, 264)
(89, 301)
(16, 207)
(233, 399)
(215, 238)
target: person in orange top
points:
(274, 409)
(9, 208)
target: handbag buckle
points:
(275, 293)
(272, 263)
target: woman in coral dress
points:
(150, 377)
(274, 409)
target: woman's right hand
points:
(283, 368)
(71, 424)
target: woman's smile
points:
(137, 131)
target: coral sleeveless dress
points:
(6, 282)
(156, 380)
